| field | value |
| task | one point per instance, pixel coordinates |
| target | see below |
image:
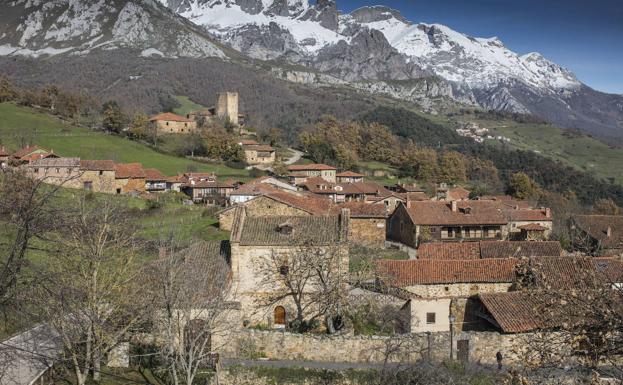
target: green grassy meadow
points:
(580, 151)
(20, 125)
(187, 105)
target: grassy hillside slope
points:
(20, 125)
(580, 151)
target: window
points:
(101, 172)
(430, 318)
(58, 170)
(88, 186)
(284, 270)
(36, 170)
(167, 123)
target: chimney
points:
(609, 232)
(548, 213)
(454, 206)
(344, 224)
(408, 203)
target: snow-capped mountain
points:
(51, 27)
(377, 44)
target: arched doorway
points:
(280, 316)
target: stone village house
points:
(300, 172)
(456, 221)
(255, 239)
(257, 154)
(170, 123)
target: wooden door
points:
(280, 315)
(462, 351)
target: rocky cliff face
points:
(39, 27)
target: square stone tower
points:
(227, 106)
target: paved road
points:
(26, 356)
(294, 158)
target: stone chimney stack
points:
(609, 232)
(548, 212)
(408, 203)
(454, 206)
(344, 224)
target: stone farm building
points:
(129, 178)
(257, 154)
(300, 172)
(97, 176)
(441, 221)
(170, 123)
(212, 192)
(255, 244)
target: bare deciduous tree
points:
(193, 286)
(91, 292)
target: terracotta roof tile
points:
(516, 249)
(468, 213)
(248, 142)
(532, 227)
(129, 171)
(446, 251)
(458, 193)
(97, 165)
(350, 174)
(26, 151)
(597, 227)
(169, 116)
(152, 174)
(306, 167)
(518, 311)
(428, 272)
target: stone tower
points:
(227, 106)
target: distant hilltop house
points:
(226, 108)
(256, 153)
(598, 234)
(170, 123)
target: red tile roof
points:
(429, 272)
(97, 165)
(597, 227)
(467, 213)
(350, 174)
(171, 117)
(151, 174)
(129, 171)
(446, 251)
(489, 249)
(532, 227)
(306, 167)
(248, 142)
(458, 193)
(260, 147)
(26, 151)
(518, 311)
(610, 269)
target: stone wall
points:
(458, 289)
(367, 231)
(400, 228)
(482, 346)
(227, 106)
(174, 127)
(125, 186)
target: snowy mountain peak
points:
(38, 27)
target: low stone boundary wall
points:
(482, 347)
